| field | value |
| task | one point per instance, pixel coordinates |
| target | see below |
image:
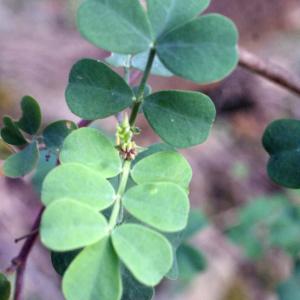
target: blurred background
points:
(250, 242)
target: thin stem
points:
(121, 190)
(269, 71)
(141, 89)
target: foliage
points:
(265, 223)
(5, 288)
(116, 215)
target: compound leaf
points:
(95, 91)
(90, 147)
(119, 26)
(11, 134)
(163, 205)
(181, 119)
(23, 162)
(94, 274)
(168, 14)
(281, 142)
(166, 166)
(146, 253)
(55, 134)
(203, 50)
(68, 225)
(31, 119)
(79, 183)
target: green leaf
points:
(281, 141)
(119, 26)
(94, 274)
(134, 290)
(168, 14)
(90, 147)
(23, 162)
(5, 287)
(47, 162)
(95, 91)
(167, 166)
(139, 62)
(31, 119)
(79, 183)
(164, 205)
(11, 134)
(62, 260)
(5, 150)
(203, 50)
(181, 119)
(55, 134)
(190, 262)
(146, 253)
(68, 225)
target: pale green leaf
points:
(23, 162)
(146, 253)
(166, 166)
(79, 183)
(67, 225)
(182, 119)
(119, 26)
(94, 274)
(90, 147)
(203, 50)
(164, 205)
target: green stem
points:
(141, 89)
(121, 190)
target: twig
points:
(18, 264)
(26, 236)
(269, 71)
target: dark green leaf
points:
(134, 290)
(23, 162)
(67, 225)
(95, 91)
(146, 253)
(5, 150)
(79, 183)
(5, 288)
(90, 147)
(203, 50)
(190, 262)
(46, 163)
(11, 134)
(94, 274)
(119, 26)
(181, 119)
(62, 260)
(55, 134)
(168, 14)
(32, 118)
(281, 140)
(163, 205)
